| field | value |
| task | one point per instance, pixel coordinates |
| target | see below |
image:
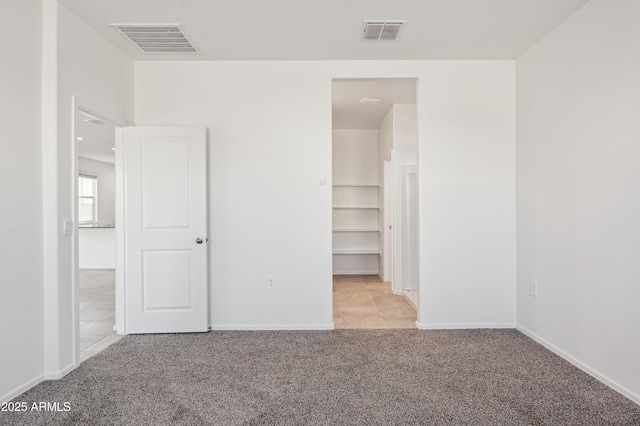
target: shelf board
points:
(357, 208)
(356, 230)
(356, 251)
(358, 186)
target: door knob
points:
(199, 240)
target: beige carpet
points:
(342, 377)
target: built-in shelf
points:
(356, 230)
(356, 251)
(358, 207)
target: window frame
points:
(94, 178)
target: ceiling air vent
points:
(382, 30)
(158, 38)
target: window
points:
(87, 198)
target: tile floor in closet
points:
(365, 301)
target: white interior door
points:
(165, 229)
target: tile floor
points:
(97, 311)
(364, 301)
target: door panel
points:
(165, 172)
(165, 230)
(163, 285)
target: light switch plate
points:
(67, 226)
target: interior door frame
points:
(387, 222)
(79, 105)
(120, 244)
(410, 266)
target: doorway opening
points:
(95, 240)
(375, 217)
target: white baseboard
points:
(55, 375)
(21, 389)
(411, 298)
(462, 326)
(356, 272)
(582, 366)
(329, 326)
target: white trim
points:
(21, 389)
(464, 326)
(329, 326)
(357, 272)
(410, 299)
(59, 374)
(579, 364)
(120, 246)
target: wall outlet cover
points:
(271, 282)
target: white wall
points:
(398, 131)
(79, 63)
(578, 185)
(385, 142)
(270, 142)
(466, 117)
(106, 173)
(21, 303)
(405, 129)
(355, 157)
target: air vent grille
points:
(382, 30)
(158, 38)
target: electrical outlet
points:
(533, 288)
(271, 282)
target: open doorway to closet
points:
(96, 243)
(375, 217)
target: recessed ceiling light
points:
(113, 148)
(371, 101)
(80, 138)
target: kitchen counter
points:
(97, 247)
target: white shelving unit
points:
(356, 229)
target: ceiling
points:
(349, 113)
(330, 29)
(97, 139)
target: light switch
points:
(67, 226)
